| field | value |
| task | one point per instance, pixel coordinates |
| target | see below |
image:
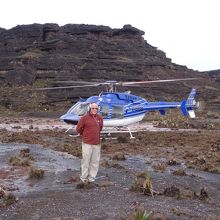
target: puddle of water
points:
(19, 127)
(144, 163)
(21, 124)
(211, 177)
(57, 166)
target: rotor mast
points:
(111, 86)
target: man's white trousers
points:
(90, 162)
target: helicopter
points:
(120, 109)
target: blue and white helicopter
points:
(120, 109)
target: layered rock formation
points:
(44, 55)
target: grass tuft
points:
(140, 214)
(10, 199)
(17, 161)
(36, 173)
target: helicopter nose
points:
(70, 117)
(62, 117)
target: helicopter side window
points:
(117, 111)
(104, 110)
(80, 109)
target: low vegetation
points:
(33, 53)
(160, 167)
(140, 214)
(179, 172)
(119, 156)
(147, 186)
(9, 199)
(122, 139)
(17, 161)
(36, 173)
(6, 198)
(23, 159)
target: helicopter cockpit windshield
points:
(112, 111)
(80, 108)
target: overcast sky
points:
(188, 31)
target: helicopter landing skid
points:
(106, 132)
(131, 136)
(72, 135)
(128, 130)
(69, 128)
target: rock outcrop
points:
(46, 55)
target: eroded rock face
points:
(42, 54)
(78, 51)
(20, 76)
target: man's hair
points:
(90, 106)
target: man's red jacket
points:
(89, 127)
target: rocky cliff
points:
(46, 55)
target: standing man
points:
(89, 127)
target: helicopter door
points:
(104, 111)
(117, 111)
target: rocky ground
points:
(178, 167)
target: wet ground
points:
(55, 164)
(183, 165)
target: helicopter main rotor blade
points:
(86, 84)
(66, 87)
(108, 83)
(75, 82)
(154, 81)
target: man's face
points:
(94, 109)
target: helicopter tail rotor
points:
(200, 105)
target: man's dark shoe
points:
(82, 185)
(92, 184)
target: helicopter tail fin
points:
(187, 106)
